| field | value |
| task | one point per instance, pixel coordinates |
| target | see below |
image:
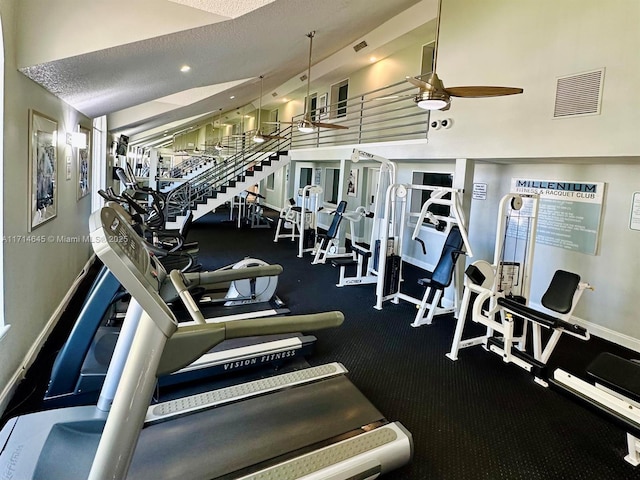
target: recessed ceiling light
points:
(372, 59)
(285, 99)
(232, 97)
(185, 68)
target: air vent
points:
(303, 77)
(579, 94)
(360, 46)
(274, 94)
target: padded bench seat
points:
(617, 373)
(539, 317)
(343, 262)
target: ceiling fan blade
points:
(479, 91)
(329, 125)
(419, 83)
(274, 137)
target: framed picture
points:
(84, 166)
(352, 184)
(322, 107)
(43, 169)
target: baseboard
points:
(610, 335)
(16, 378)
(272, 207)
(593, 328)
(602, 332)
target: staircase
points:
(222, 181)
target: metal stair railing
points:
(223, 175)
(189, 165)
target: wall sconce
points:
(77, 139)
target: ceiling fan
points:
(307, 124)
(434, 96)
(218, 145)
(260, 137)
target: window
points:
(270, 181)
(418, 197)
(273, 117)
(306, 174)
(339, 95)
(313, 105)
(331, 184)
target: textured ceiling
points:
(269, 41)
(225, 8)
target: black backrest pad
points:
(443, 273)
(559, 295)
(337, 218)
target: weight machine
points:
(300, 218)
(503, 288)
(613, 391)
(287, 226)
(249, 210)
(366, 258)
(456, 243)
(327, 245)
(390, 279)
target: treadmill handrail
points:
(190, 343)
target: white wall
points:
(611, 310)
(529, 44)
(36, 275)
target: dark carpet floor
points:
(476, 418)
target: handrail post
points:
(360, 120)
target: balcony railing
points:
(382, 115)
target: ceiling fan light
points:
(218, 147)
(258, 138)
(306, 127)
(432, 100)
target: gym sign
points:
(570, 212)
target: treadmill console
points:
(123, 252)
(160, 272)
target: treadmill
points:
(81, 364)
(312, 424)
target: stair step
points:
(214, 181)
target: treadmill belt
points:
(235, 437)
